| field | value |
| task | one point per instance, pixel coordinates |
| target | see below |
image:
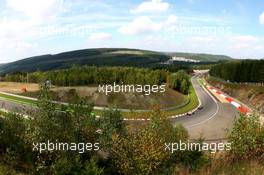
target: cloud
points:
(37, 9)
(143, 25)
(172, 19)
(244, 39)
(100, 36)
(151, 6)
(140, 25)
(12, 49)
(261, 19)
(239, 46)
(219, 44)
(15, 36)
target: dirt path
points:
(12, 87)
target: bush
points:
(53, 123)
(15, 152)
(74, 165)
(143, 151)
(111, 123)
(247, 138)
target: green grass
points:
(192, 103)
(200, 81)
(18, 99)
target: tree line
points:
(92, 75)
(240, 71)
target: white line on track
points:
(212, 116)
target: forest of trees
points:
(240, 71)
(90, 75)
(91, 57)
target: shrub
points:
(15, 152)
(143, 151)
(247, 138)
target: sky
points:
(36, 27)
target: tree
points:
(240, 71)
(247, 138)
(90, 75)
(179, 81)
(111, 123)
(143, 151)
(15, 151)
(61, 124)
(184, 87)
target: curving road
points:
(211, 122)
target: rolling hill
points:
(99, 57)
(102, 57)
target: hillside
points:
(99, 57)
(250, 94)
(200, 57)
(106, 56)
(240, 71)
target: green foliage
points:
(179, 81)
(90, 75)
(192, 160)
(140, 153)
(240, 71)
(6, 170)
(48, 123)
(74, 124)
(136, 152)
(247, 138)
(143, 152)
(111, 123)
(84, 122)
(98, 57)
(14, 148)
(75, 166)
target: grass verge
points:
(18, 99)
(192, 104)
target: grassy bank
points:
(251, 95)
(191, 102)
(19, 100)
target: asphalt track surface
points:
(210, 123)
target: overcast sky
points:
(35, 27)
